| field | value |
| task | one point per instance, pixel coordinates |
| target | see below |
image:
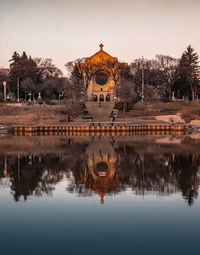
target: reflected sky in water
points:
(99, 195)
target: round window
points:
(101, 78)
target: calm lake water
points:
(99, 195)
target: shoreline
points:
(100, 128)
(173, 116)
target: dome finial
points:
(101, 46)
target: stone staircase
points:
(100, 111)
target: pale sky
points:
(68, 29)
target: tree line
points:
(34, 76)
(159, 76)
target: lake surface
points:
(99, 195)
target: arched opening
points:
(95, 98)
(108, 97)
(101, 98)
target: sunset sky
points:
(68, 29)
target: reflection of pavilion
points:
(101, 170)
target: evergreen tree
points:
(188, 71)
(23, 67)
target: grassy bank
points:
(188, 110)
(58, 113)
(33, 114)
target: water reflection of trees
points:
(159, 173)
(33, 174)
(37, 174)
(186, 169)
(103, 170)
(146, 173)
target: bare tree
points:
(28, 86)
(124, 90)
(46, 69)
(114, 69)
(159, 72)
(82, 72)
(169, 67)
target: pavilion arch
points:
(101, 98)
(108, 97)
(95, 98)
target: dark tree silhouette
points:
(188, 71)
